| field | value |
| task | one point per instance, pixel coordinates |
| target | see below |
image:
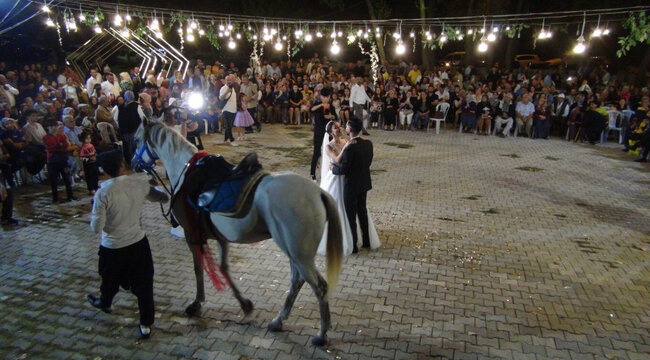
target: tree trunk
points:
(514, 42)
(378, 41)
(426, 53)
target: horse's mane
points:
(164, 137)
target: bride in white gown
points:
(333, 184)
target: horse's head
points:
(144, 158)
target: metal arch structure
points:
(156, 54)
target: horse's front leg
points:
(194, 308)
(246, 304)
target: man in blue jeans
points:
(229, 94)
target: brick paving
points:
(493, 248)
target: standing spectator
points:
(250, 89)
(228, 94)
(93, 79)
(57, 146)
(88, 156)
(358, 100)
(129, 117)
(33, 130)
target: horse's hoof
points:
(247, 306)
(275, 325)
(319, 341)
(193, 309)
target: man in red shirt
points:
(56, 144)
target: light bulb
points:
(284, 37)
(73, 26)
(278, 46)
(220, 34)
(97, 29)
(359, 32)
(377, 30)
(266, 37)
(231, 44)
(45, 8)
(460, 37)
(190, 37)
(154, 25)
(580, 46)
(400, 49)
(193, 25)
(128, 17)
(226, 33)
(457, 32)
(201, 32)
(229, 26)
(429, 37)
(238, 36)
(483, 31)
(365, 35)
(470, 31)
(159, 34)
(491, 37)
(118, 20)
(333, 35)
(335, 48)
(542, 35)
(273, 31)
(308, 37)
(254, 36)
(265, 30)
(597, 32)
(49, 22)
(483, 46)
(249, 27)
(495, 29)
(443, 37)
(340, 33)
(222, 28)
(82, 17)
(180, 30)
(549, 34)
(396, 35)
(508, 28)
(297, 33)
(351, 38)
(606, 32)
(319, 34)
(125, 33)
(412, 34)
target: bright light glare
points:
(483, 46)
(400, 49)
(335, 49)
(195, 101)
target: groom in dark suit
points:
(355, 165)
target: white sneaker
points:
(234, 144)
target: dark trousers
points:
(355, 205)
(195, 138)
(318, 143)
(8, 205)
(56, 169)
(256, 122)
(132, 268)
(128, 147)
(91, 172)
(228, 119)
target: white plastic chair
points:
(612, 116)
(442, 107)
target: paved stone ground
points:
(493, 248)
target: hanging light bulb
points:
(265, 30)
(125, 33)
(443, 37)
(483, 46)
(273, 31)
(266, 37)
(429, 37)
(400, 49)
(159, 34)
(226, 33)
(96, 18)
(412, 34)
(231, 44)
(333, 35)
(483, 31)
(118, 20)
(278, 46)
(127, 17)
(254, 36)
(549, 33)
(335, 48)
(597, 32)
(249, 27)
(82, 17)
(508, 28)
(580, 46)
(460, 37)
(606, 31)
(193, 25)
(49, 22)
(229, 26)
(190, 37)
(542, 34)
(396, 35)
(155, 26)
(201, 32)
(220, 34)
(308, 37)
(319, 34)
(340, 33)
(73, 25)
(470, 31)
(495, 29)
(359, 32)
(491, 37)
(351, 38)
(365, 35)
(45, 8)
(377, 30)
(298, 33)
(180, 30)
(238, 36)
(284, 37)
(97, 29)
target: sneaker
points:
(232, 143)
(145, 331)
(96, 302)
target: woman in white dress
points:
(333, 184)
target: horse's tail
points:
(334, 255)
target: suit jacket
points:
(355, 165)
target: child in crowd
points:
(243, 119)
(88, 156)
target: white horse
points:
(292, 209)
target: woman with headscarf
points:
(125, 82)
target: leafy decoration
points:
(639, 33)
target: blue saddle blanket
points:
(223, 197)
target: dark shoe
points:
(313, 177)
(10, 221)
(72, 198)
(625, 150)
(364, 132)
(145, 331)
(641, 160)
(355, 250)
(366, 246)
(249, 132)
(96, 302)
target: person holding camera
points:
(229, 94)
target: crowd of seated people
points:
(49, 112)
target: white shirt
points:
(358, 95)
(117, 207)
(90, 83)
(525, 109)
(10, 92)
(231, 105)
(109, 88)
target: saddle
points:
(216, 186)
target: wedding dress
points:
(334, 184)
